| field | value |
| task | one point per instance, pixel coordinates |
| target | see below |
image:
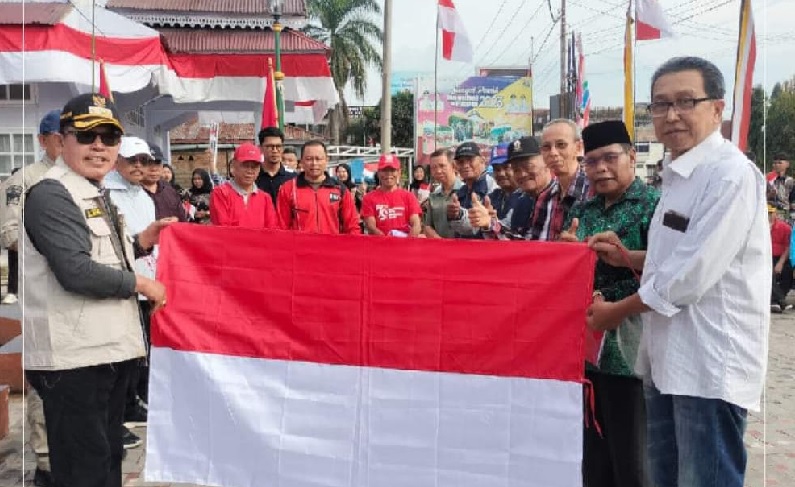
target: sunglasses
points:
(87, 137)
(141, 159)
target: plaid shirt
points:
(551, 210)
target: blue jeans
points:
(693, 441)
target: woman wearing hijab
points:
(199, 195)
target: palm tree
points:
(347, 27)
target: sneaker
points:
(135, 417)
(775, 308)
(787, 307)
(43, 478)
(130, 439)
(9, 299)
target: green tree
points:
(780, 129)
(369, 125)
(348, 28)
(755, 133)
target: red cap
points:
(388, 161)
(248, 152)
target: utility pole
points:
(563, 60)
(386, 95)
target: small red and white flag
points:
(456, 45)
(744, 77)
(650, 21)
(296, 359)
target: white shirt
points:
(139, 212)
(709, 286)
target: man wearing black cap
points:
(625, 205)
(12, 200)
(535, 179)
(82, 332)
(472, 171)
(168, 202)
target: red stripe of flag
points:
(482, 308)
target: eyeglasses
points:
(560, 145)
(275, 147)
(141, 159)
(88, 137)
(608, 157)
(684, 105)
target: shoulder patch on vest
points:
(94, 213)
(13, 195)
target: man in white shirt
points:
(705, 290)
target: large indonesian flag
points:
(294, 360)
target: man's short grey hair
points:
(576, 130)
(714, 85)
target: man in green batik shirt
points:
(625, 205)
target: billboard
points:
(485, 110)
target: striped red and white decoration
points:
(62, 52)
(456, 45)
(134, 58)
(650, 21)
(744, 77)
(296, 359)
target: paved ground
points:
(770, 436)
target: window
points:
(15, 93)
(16, 150)
(642, 147)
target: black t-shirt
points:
(271, 184)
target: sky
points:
(502, 30)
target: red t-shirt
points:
(780, 233)
(392, 210)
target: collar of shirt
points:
(456, 186)
(113, 180)
(242, 192)
(328, 182)
(281, 172)
(685, 164)
(46, 160)
(635, 192)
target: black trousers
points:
(83, 410)
(139, 380)
(782, 284)
(13, 272)
(618, 457)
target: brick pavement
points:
(775, 456)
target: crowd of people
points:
(680, 287)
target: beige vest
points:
(63, 330)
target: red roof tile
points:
(35, 13)
(180, 40)
(257, 7)
(229, 133)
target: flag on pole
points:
(650, 21)
(629, 80)
(265, 371)
(104, 86)
(583, 92)
(456, 45)
(744, 77)
(270, 111)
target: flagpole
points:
(436, 82)
(634, 71)
(93, 47)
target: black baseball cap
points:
(85, 112)
(467, 149)
(157, 153)
(524, 147)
